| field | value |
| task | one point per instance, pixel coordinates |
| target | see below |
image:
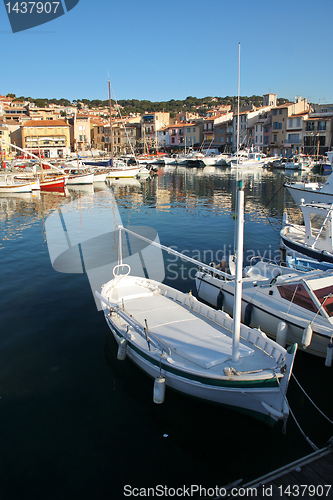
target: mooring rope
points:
(314, 404)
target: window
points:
(322, 125)
(328, 301)
(293, 138)
(280, 111)
(261, 139)
(290, 123)
(298, 295)
(310, 126)
(298, 122)
(274, 112)
(316, 222)
(275, 137)
(280, 125)
(256, 138)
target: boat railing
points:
(142, 331)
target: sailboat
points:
(119, 169)
(192, 348)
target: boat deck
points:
(190, 335)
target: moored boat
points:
(8, 184)
(194, 349)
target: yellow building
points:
(5, 150)
(51, 137)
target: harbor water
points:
(76, 422)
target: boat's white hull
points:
(247, 164)
(303, 191)
(100, 177)
(76, 180)
(208, 161)
(122, 173)
(251, 400)
(16, 188)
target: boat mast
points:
(238, 112)
(111, 134)
(239, 273)
(239, 236)
(40, 160)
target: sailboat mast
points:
(239, 237)
(238, 112)
(239, 273)
(111, 134)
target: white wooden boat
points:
(314, 239)
(194, 349)
(125, 171)
(311, 192)
(9, 185)
(33, 179)
(78, 176)
(281, 301)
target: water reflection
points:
(198, 192)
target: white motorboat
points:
(190, 347)
(312, 240)
(254, 160)
(297, 162)
(311, 192)
(240, 155)
(288, 304)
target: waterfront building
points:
(293, 142)
(80, 132)
(223, 132)
(50, 137)
(151, 123)
(280, 115)
(318, 129)
(5, 150)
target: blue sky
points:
(161, 50)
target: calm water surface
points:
(75, 423)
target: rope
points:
(300, 428)
(323, 414)
(296, 422)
